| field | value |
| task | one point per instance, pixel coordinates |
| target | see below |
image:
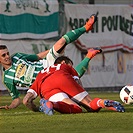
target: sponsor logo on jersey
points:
(20, 71)
(29, 74)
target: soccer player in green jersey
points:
(21, 69)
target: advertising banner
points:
(33, 19)
(112, 31)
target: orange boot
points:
(111, 105)
(92, 52)
(89, 24)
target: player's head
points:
(5, 58)
(63, 59)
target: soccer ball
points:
(126, 94)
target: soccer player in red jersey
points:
(57, 85)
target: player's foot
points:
(46, 107)
(113, 105)
(89, 24)
(93, 51)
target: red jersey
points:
(57, 70)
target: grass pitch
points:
(22, 120)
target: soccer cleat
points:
(113, 105)
(46, 107)
(93, 51)
(89, 24)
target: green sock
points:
(82, 66)
(74, 34)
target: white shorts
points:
(60, 96)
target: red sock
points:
(66, 108)
(94, 105)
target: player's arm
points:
(36, 57)
(43, 54)
(28, 102)
(15, 103)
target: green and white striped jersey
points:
(23, 71)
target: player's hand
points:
(4, 107)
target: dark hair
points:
(63, 58)
(3, 47)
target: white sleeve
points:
(33, 92)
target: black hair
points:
(3, 47)
(63, 58)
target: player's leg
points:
(76, 93)
(96, 104)
(74, 34)
(66, 108)
(59, 46)
(63, 104)
(66, 105)
(79, 95)
(83, 65)
(111, 105)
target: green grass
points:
(22, 120)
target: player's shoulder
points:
(17, 55)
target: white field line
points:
(16, 113)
